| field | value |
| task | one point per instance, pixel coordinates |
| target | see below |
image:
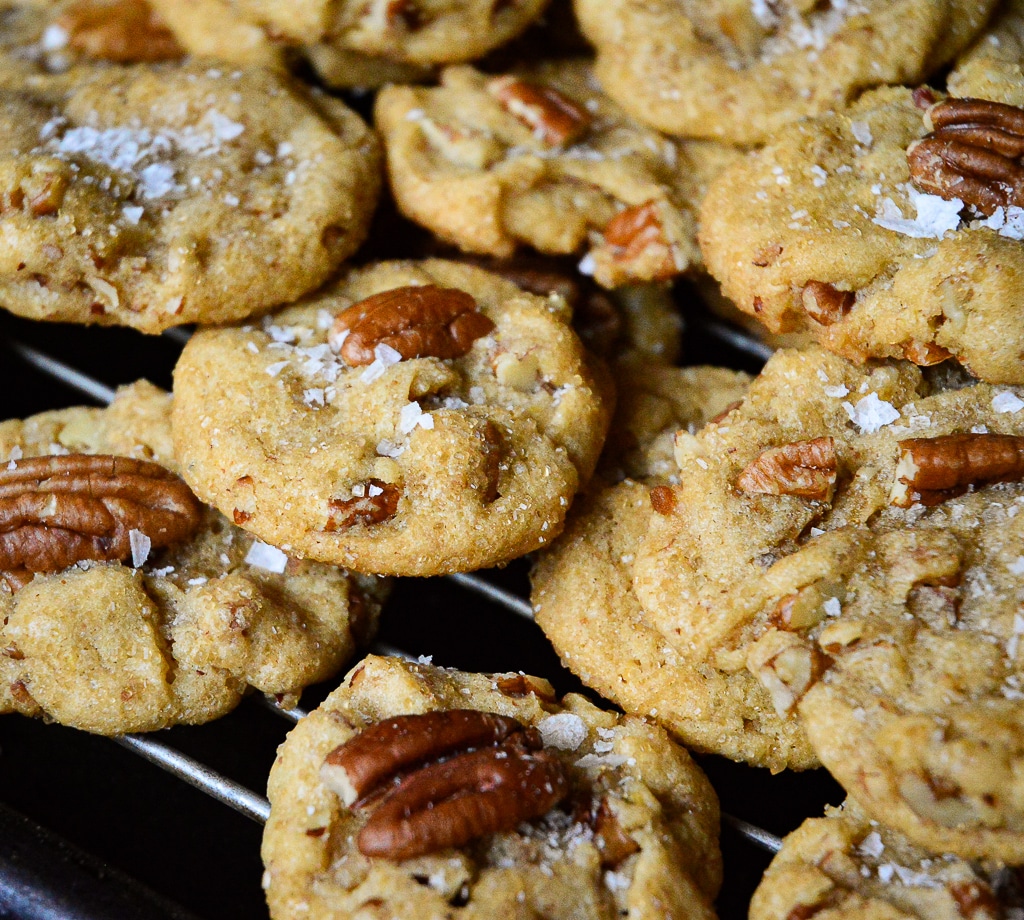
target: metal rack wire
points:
(238, 796)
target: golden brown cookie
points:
(541, 157)
(850, 536)
(845, 866)
(140, 636)
(829, 232)
(442, 424)
(738, 71)
(577, 812)
(152, 196)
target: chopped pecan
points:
(806, 469)
(973, 153)
(417, 321)
(125, 31)
(377, 753)
(924, 97)
(974, 896)
(448, 804)
(377, 503)
(932, 470)
(615, 844)
(520, 685)
(826, 304)
(636, 234)
(56, 511)
(402, 14)
(503, 779)
(663, 499)
(787, 667)
(925, 354)
(553, 117)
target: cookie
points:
(831, 232)
(455, 444)
(992, 67)
(51, 37)
(140, 637)
(850, 537)
(541, 157)
(583, 596)
(443, 31)
(588, 814)
(151, 196)
(763, 65)
(844, 866)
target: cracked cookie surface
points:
(541, 157)
(417, 465)
(864, 564)
(824, 232)
(760, 65)
(655, 803)
(151, 196)
(113, 647)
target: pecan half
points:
(56, 511)
(125, 31)
(826, 304)
(553, 117)
(973, 153)
(448, 804)
(417, 321)
(932, 470)
(806, 469)
(503, 778)
(636, 234)
(361, 764)
(378, 503)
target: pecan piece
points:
(636, 234)
(973, 153)
(826, 304)
(615, 844)
(553, 117)
(663, 499)
(932, 470)
(925, 354)
(417, 321)
(806, 469)
(377, 753)
(974, 896)
(125, 31)
(448, 804)
(377, 503)
(56, 511)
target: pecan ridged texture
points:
(973, 152)
(123, 31)
(806, 469)
(553, 117)
(932, 470)
(636, 233)
(467, 773)
(417, 321)
(56, 511)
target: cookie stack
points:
(822, 565)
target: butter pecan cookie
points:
(349, 44)
(542, 157)
(849, 228)
(510, 803)
(584, 600)
(851, 537)
(157, 195)
(845, 866)
(125, 605)
(414, 418)
(740, 71)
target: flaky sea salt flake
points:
(141, 545)
(264, 556)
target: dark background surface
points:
(133, 817)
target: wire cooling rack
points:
(161, 843)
